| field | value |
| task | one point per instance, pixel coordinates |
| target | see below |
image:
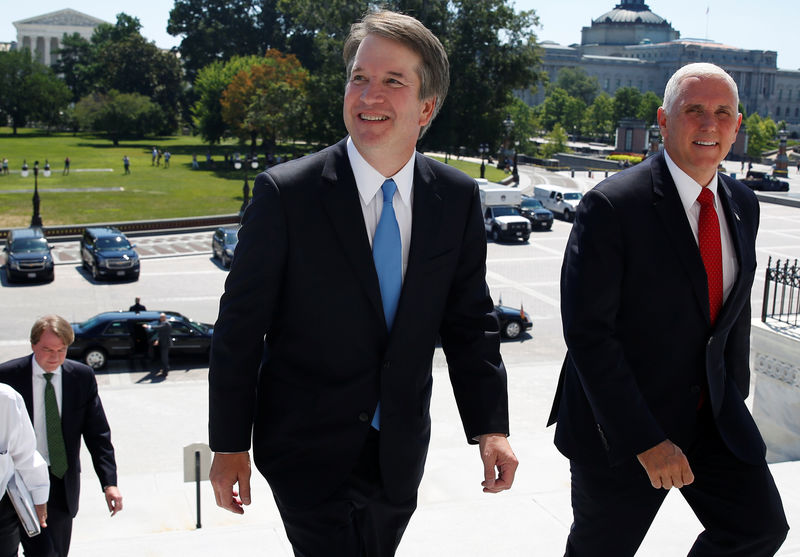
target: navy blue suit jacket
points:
(303, 276)
(634, 304)
(82, 415)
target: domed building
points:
(631, 46)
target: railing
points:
(783, 302)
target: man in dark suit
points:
(338, 408)
(655, 298)
(58, 437)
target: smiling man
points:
(655, 303)
(350, 263)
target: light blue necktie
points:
(387, 252)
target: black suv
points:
(121, 334)
(762, 181)
(223, 243)
(107, 253)
(28, 255)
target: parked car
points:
(107, 253)
(532, 209)
(121, 334)
(762, 181)
(513, 321)
(28, 256)
(562, 201)
(224, 242)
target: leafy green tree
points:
(526, 125)
(627, 101)
(29, 90)
(648, 108)
(577, 83)
(119, 115)
(599, 117)
(761, 135)
(556, 142)
(267, 100)
(561, 108)
(74, 63)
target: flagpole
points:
(707, 9)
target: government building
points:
(42, 34)
(630, 46)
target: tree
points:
(119, 115)
(29, 90)
(526, 125)
(577, 83)
(599, 117)
(74, 64)
(267, 99)
(627, 101)
(561, 108)
(556, 142)
(760, 133)
(648, 107)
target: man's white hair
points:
(700, 69)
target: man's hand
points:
(497, 453)
(41, 512)
(113, 499)
(666, 465)
(226, 471)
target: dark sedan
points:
(513, 321)
(762, 181)
(121, 334)
(223, 243)
(533, 210)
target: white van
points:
(561, 201)
(501, 215)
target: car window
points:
(29, 245)
(572, 196)
(116, 328)
(231, 237)
(114, 243)
(180, 328)
(531, 203)
(505, 211)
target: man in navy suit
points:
(81, 416)
(655, 302)
(338, 410)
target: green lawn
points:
(149, 192)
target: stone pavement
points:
(151, 422)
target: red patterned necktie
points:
(710, 250)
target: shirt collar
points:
(688, 188)
(37, 369)
(369, 180)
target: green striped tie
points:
(55, 438)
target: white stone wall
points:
(775, 361)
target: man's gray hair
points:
(700, 69)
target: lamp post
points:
(509, 125)
(246, 187)
(483, 149)
(36, 219)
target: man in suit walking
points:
(655, 302)
(350, 263)
(62, 401)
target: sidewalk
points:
(151, 424)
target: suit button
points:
(386, 364)
(695, 390)
(363, 417)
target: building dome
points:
(630, 22)
(630, 13)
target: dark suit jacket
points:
(634, 304)
(303, 275)
(81, 415)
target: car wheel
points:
(95, 358)
(512, 329)
(568, 215)
(135, 277)
(549, 225)
(84, 264)
(226, 261)
(94, 272)
(495, 234)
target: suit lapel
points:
(732, 215)
(668, 206)
(341, 202)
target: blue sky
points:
(766, 25)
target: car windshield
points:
(198, 325)
(114, 243)
(505, 211)
(89, 323)
(531, 204)
(572, 196)
(29, 244)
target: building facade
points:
(42, 34)
(630, 46)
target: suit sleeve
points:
(246, 309)
(591, 293)
(471, 338)
(97, 433)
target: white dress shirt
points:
(688, 190)
(18, 447)
(39, 416)
(369, 182)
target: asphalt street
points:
(152, 418)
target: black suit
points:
(82, 415)
(642, 353)
(303, 275)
